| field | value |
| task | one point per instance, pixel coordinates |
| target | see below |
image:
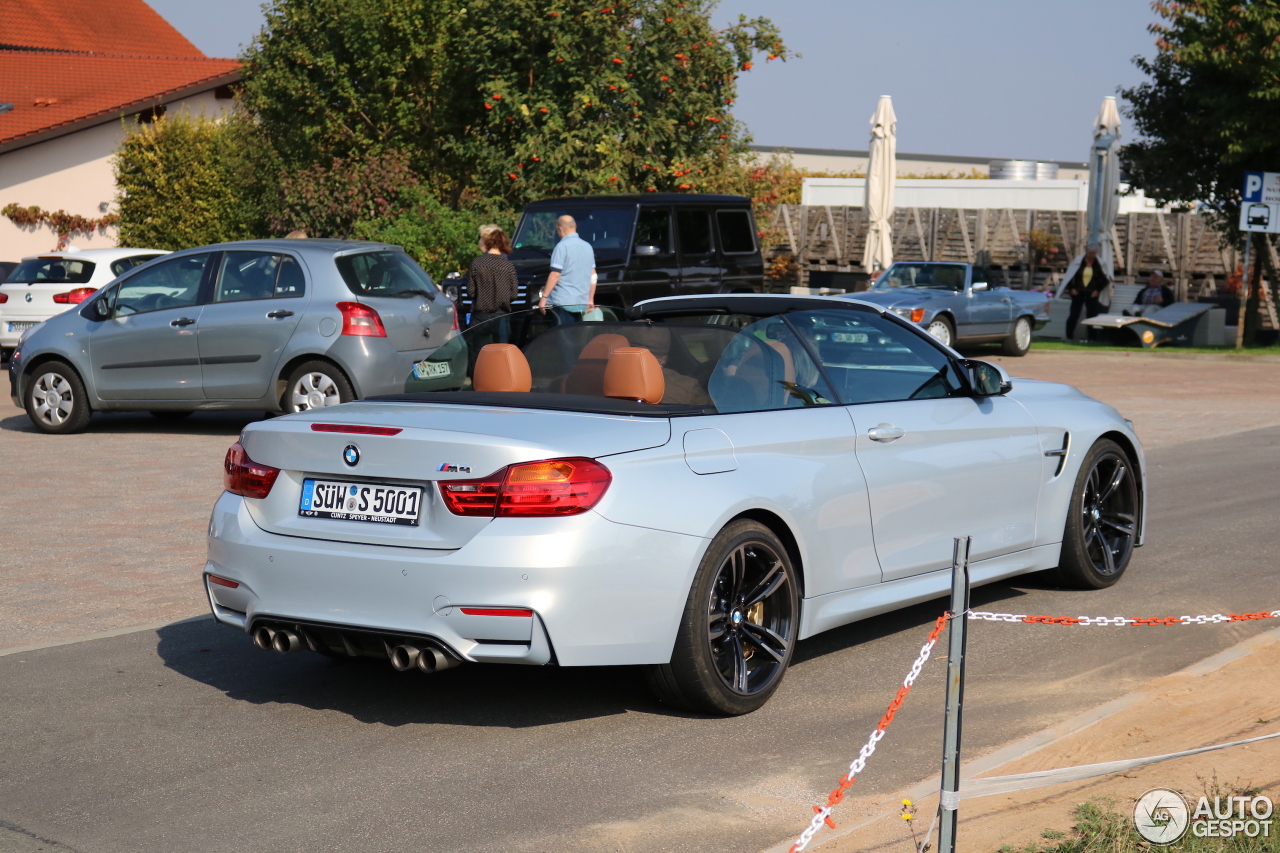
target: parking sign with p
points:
(1260, 202)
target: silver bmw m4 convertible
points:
(694, 487)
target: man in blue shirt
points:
(571, 286)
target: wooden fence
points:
(1027, 248)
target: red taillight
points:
(917, 314)
(4, 297)
(554, 487)
(356, 429)
(455, 316)
(74, 297)
(361, 320)
(222, 582)
(243, 476)
(495, 611)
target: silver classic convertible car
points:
(693, 488)
(957, 304)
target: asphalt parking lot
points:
(187, 737)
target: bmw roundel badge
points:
(351, 455)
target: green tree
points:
(189, 180)
(1210, 108)
(515, 100)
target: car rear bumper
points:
(603, 593)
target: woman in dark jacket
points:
(491, 282)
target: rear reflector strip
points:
(222, 581)
(356, 430)
(496, 611)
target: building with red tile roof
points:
(73, 73)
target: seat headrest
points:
(501, 367)
(634, 374)
(602, 346)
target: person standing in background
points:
(1084, 287)
(570, 290)
(491, 280)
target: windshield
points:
(580, 362)
(607, 229)
(53, 270)
(389, 274)
(932, 276)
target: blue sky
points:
(997, 78)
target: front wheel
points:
(942, 329)
(56, 400)
(1019, 340)
(1102, 520)
(314, 385)
(739, 626)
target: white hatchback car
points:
(43, 286)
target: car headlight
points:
(902, 312)
(915, 315)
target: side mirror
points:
(102, 309)
(978, 286)
(646, 250)
(987, 380)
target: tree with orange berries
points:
(511, 100)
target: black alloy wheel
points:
(739, 627)
(1102, 522)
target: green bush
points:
(442, 240)
(188, 180)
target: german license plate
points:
(22, 327)
(431, 369)
(349, 501)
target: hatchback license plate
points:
(20, 327)
(349, 501)
(431, 369)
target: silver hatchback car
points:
(268, 325)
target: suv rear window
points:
(54, 270)
(736, 236)
(384, 274)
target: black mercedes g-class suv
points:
(646, 245)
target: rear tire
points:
(739, 627)
(1019, 341)
(1102, 519)
(314, 385)
(55, 399)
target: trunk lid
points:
(41, 305)
(433, 437)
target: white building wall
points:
(968, 194)
(72, 173)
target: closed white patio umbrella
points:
(1104, 182)
(881, 174)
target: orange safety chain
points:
(822, 814)
(1215, 619)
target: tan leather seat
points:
(587, 374)
(634, 374)
(501, 367)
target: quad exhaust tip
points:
(285, 642)
(427, 659)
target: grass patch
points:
(1100, 828)
(1089, 346)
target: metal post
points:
(950, 797)
(1244, 291)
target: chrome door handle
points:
(181, 321)
(886, 433)
(1005, 299)
(280, 314)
